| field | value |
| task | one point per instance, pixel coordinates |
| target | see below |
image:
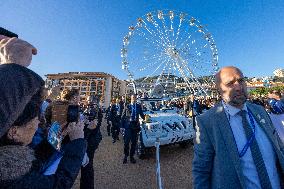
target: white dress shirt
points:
(266, 149)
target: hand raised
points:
(14, 50)
(75, 130)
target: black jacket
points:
(115, 113)
(126, 115)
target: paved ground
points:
(110, 173)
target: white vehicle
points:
(165, 124)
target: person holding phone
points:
(20, 100)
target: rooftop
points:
(78, 74)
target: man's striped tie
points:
(256, 154)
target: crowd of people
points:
(45, 142)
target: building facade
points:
(279, 72)
(97, 85)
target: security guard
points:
(115, 117)
(131, 127)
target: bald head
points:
(224, 71)
(231, 85)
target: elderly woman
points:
(20, 100)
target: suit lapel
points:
(227, 134)
(264, 124)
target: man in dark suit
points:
(115, 117)
(107, 117)
(131, 127)
(236, 144)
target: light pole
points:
(158, 170)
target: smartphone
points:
(54, 136)
(73, 113)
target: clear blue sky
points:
(87, 35)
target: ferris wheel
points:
(165, 47)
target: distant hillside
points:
(202, 79)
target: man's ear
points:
(12, 132)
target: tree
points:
(263, 91)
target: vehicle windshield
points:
(155, 105)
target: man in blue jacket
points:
(130, 125)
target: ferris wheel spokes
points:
(166, 39)
(148, 76)
(163, 70)
(185, 77)
(178, 31)
(160, 35)
(155, 42)
(169, 45)
(190, 73)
